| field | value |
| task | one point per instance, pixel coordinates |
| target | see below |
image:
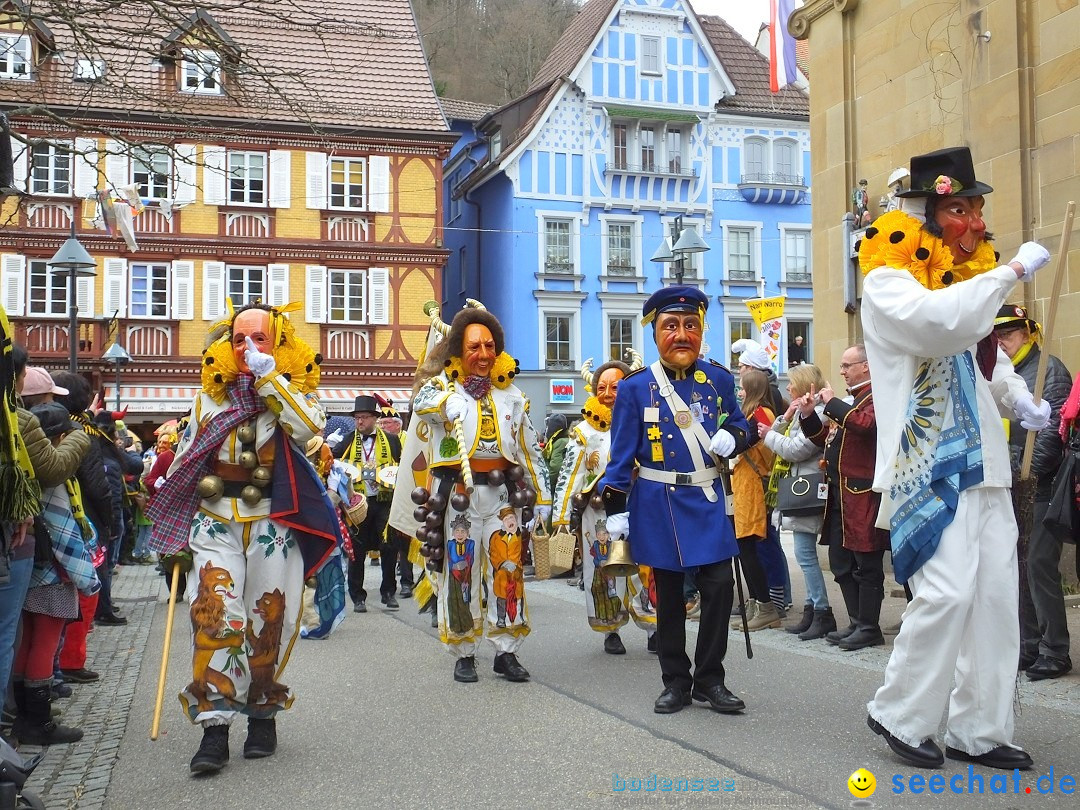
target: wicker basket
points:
(356, 510)
(553, 554)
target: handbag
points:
(1062, 518)
(801, 495)
(43, 551)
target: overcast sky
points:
(745, 16)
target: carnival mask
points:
(678, 338)
(253, 323)
(962, 226)
(478, 350)
(607, 386)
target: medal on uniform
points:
(657, 451)
(697, 413)
(699, 376)
(683, 419)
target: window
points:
(797, 256)
(48, 291)
(784, 157)
(151, 170)
(650, 55)
(14, 56)
(50, 171)
(620, 248)
(618, 145)
(88, 70)
(778, 161)
(739, 328)
(740, 259)
(755, 159)
(347, 177)
(149, 291)
(247, 178)
(246, 284)
(557, 343)
(674, 151)
(347, 296)
(557, 253)
(796, 329)
(496, 144)
(647, 138)
(200, 72)
(620, 336)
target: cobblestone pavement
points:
(77, 775)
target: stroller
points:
(14, 772)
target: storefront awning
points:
(173, 401)
(340, 400)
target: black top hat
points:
(1012, 315)
(365, 404)
(54, 418)
(946, 172)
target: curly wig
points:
(453, 344)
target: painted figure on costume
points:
(460, 554)
(241, 497)
(932, 288)
(476, 427)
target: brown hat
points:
(507, 510)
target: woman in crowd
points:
(797, 456)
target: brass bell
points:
(619, 563)
(596, 502)
(249, 460)
(251, 495)
(210, 487)
(246, 434)
(260, 477)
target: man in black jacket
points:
(97, 502)
(1044, 632)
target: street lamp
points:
(116, 354)
(73, 259)
(683, 241)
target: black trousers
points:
(400, 542)
(715, 583)
(368, 537)
(756, 581)
(860, 575)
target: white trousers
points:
(961, 625)
(611, 601)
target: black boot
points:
(261, 739)
(868, 633)
(213, 752)
(824, 623)
(35, 725)
(803, 623)
(850, 589)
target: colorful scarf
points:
(177, 500)
(71, 556)
(940, 456)
(781, 468)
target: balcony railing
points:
(668, 170)
(773, 179)
(344, 342)
(48, 339)
(621, 269)
(794, 277)
(742, 275)
(552, 266)
(150, 338)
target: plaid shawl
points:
(177, 500)
(71, 557)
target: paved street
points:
(378, 722)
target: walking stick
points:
(742, 606)
(1048, 329)
(155, 726)
(466, 470)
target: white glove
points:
(618, 525)
(260, 364)
(1031, 256)
(722, 444)
(160, 482)
(334, 439)
(1031, 416)
(542, 514)
(456, 406)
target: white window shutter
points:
(115, 292)
(316, 181)
(184, 174)
(213, 291)
(280, 178)
(277, 287)
(183, 290)
(315, 289)
(379, 193)
(117, 164)
(85, 160)
(13, 277)
(84, 296)
(214, 178)
(379, 295)
(19, 151)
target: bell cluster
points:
(212, 487)
(579, 503)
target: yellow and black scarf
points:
(20, 492)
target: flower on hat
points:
(945, 185)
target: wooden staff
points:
(1048, 329)
(156, 725)
(466, 470)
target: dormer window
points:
(650, 55)
(15, 56)
(89, 70)
(200, 72)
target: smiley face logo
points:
(862, 784)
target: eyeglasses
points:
(846, 366)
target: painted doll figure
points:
(239, 461)
(460, 554)
(504, 550)
(610, 602)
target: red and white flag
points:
(782, 70)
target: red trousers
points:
(37, 647)
(73, 653)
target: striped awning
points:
(176, 400)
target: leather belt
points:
(232, 489)
(698, 478)
(454, 474)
